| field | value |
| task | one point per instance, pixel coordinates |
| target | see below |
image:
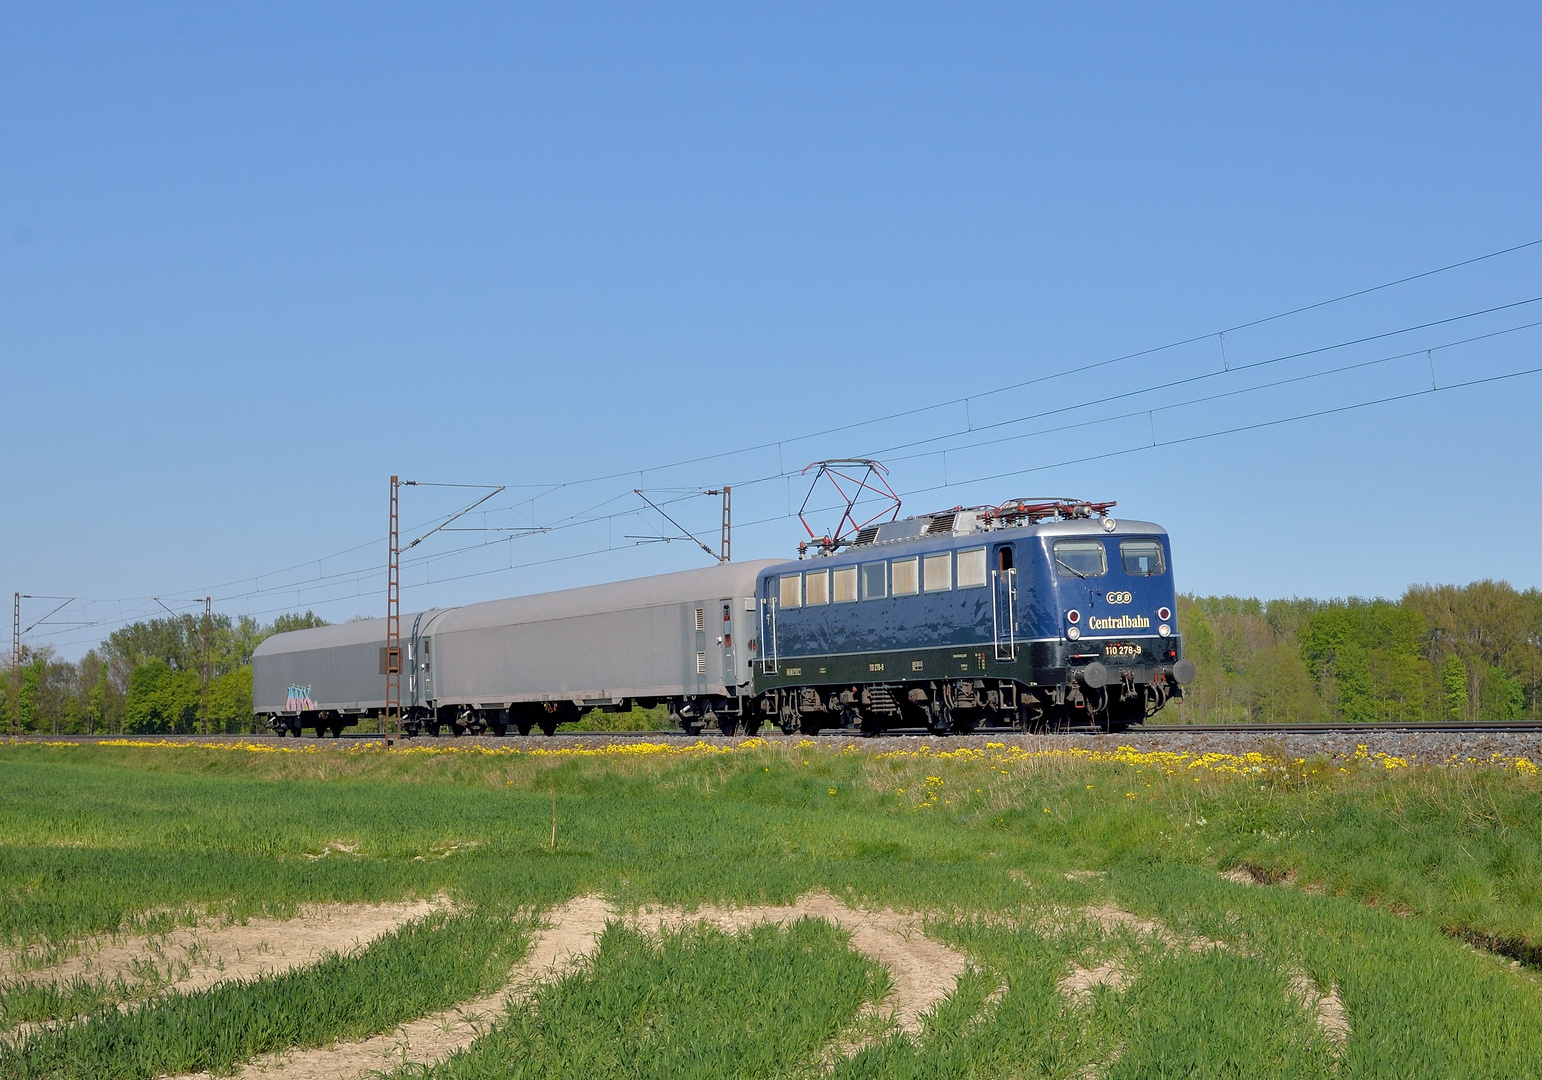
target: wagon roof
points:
(710, 583)
(713, 582)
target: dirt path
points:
(572, 933)
(186, 960)
(1325, 1006)
(924, 971)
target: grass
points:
(697, 1004)
(1394, 870)
(424, 967)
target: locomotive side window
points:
(1141, 558)
(1080, 558)
(875, 580)
(971, 568)
(791, 590)
(1004, 558)
(845, 584)
(816, 587)
(903, 575)
(937, 572)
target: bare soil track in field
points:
(1326, 1007)
(572, 933)
(191, 959)
(924, 972)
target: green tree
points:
(161, 700)
(1453, 684)
(1500, 697)
(1367, 659)
(230, 701)
(295, 621)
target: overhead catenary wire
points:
(352, 579)
(582, 517)
(1084, 459)
(548, 488)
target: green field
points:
(1387, 877)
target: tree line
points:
(1440, 652)
(145, 678)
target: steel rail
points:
(1439, 727)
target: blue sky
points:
(256, 258)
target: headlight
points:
(1073, 633)
(1164, 629)
(1109, 524)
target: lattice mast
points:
(390, 722)
(206, 669)
(15, 694)
(728, 524)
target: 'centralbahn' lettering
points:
(1123, 622)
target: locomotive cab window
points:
(875, 581)
(816, 588)
(791, 586)
(1004, 561)
(937, 572)
(1141, 558)
(1080, 558)
(971, 568)
(845, 582)
(903, 575)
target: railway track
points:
(1329, 729)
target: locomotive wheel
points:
(939, 719)
(728, 725)
(809, 725)
(787, 719)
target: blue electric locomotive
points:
(1028, 614)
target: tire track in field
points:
(191, 959)
(572, 933)
(923, 972)
(1325, 1007)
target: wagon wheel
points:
(433, 728)
(523, 726)
(728, 725)
(752, 726)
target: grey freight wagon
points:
(686, 640)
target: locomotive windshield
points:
(1141, 558)
(1080, 558)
